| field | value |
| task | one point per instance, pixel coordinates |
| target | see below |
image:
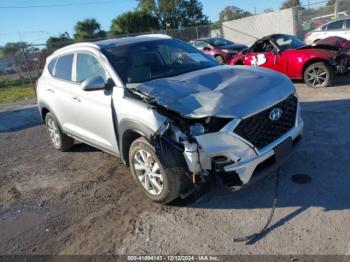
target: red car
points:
(315, 64)
(221, 49)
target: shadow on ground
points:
(16, 120)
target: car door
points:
(263, 54)
(94, 108)
(61, 91)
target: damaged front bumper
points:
(231, 155)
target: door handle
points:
(76, 99)
(50, 90)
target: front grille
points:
(261, 131)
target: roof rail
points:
(82, 44)
(156, 35)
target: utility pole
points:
(336, 9)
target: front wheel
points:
(318, 75)
(160, 184)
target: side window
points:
(63, 68)
(51, 65)
(335, 25)
(88, 66)
(262, 47)
(348, 23)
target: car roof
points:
(108, 43)
(130, 40)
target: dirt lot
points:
(85, 201)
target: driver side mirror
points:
(93, 83)
(207, 48)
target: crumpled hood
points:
(221, 91)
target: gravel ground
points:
(86, 202)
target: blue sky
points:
(35, 25)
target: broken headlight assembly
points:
(197, 129)
(207, 125)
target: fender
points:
(127, 125)
(42, 105)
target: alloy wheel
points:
(53, 131)
(316, 76)
(148, 172)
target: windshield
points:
(145, 61)
(285, 42)
(219, 42)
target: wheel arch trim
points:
(136, 129)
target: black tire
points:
(318, 75)
(62, 141)
(220, 59)
(171, 176)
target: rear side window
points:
(63, 68)
(335, 25)
(51, 65)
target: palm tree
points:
(88, 29)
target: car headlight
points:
(197, 129)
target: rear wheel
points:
(160, 184)
(59, 140)
(318, 75)
(220, 59)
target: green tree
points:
(11, 49)
(175, 13)
(290, 3)
(61, 40)
(149, 6)
(192, 14)
(133, 22)
(232, 12)
(330, 2)
(88, 29)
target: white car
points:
(340, 28)
(170, 112)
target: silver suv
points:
(170, 112)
